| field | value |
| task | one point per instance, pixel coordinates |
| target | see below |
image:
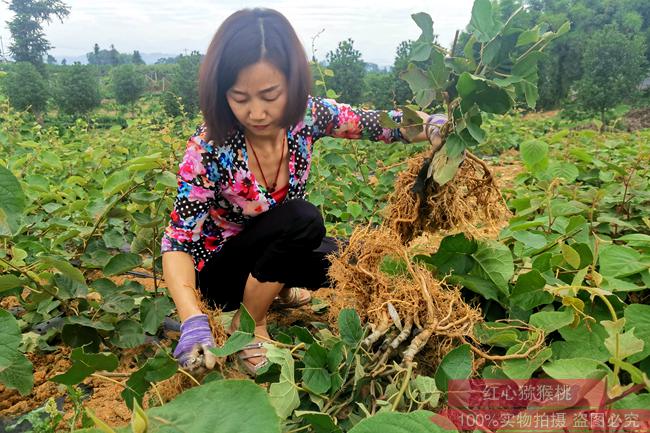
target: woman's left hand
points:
(429, 129)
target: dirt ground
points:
(105, 400)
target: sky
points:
(165, 26)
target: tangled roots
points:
(468, 202)
(376, 269)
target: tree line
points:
(598, 64)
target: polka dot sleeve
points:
(195, 196)
(335, 119)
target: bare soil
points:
(637, 119)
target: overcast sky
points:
(166, 26)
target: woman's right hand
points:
(192, 351)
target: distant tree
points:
(127, 84)
(401, 89)
(614, 68)
(51, 60)
(137, 58)
(25, 88)
(77, 90)
(64, 62)
(184, 86)
(349, 71)
(113, 56)
(28, 39)
(379, 90)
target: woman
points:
(240, 228)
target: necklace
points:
(270, 188)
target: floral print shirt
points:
(218, 194)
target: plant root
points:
(411, 291)
(471, 201)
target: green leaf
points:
(582, 342)
(443, 167)
(12, 202)
(65, 268)
(621, 261)
(9, 282)
(524, 368)
(495, 261)
(354, 209)
(284, 393)
(534, 153)
(528, 36)
(15, 369)
(331, 94)
(101, 425)
(128, 334)
(482, 21)
(393, 266)
(485, 93)
(77, 336)
(419, 421)
(315, 374)
(153, 311)
(574, 368)
(621, 344)
(565, 170)
(424, 388)
(551, 321)
(118, 303)
(122, 263)
(139, 420)
(496, 334)
(349, 325)
(84, 364)
(156, 369)
(241, 337)
(420, 84)
(425, 23)
(483, 287)
(637, 317)
(457, 364)
(86, 321)
(529, 292)
(570, 255)
(420, 51)
(117, 182)
(319, 422)
(235, 406)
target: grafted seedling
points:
(448, 187)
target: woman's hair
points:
(244, 38)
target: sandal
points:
(242, 359)
(252, 369)
(294, 300)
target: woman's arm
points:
(178, 272)
(336, 119)
(195, 198)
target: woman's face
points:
(258, 99)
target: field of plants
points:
(527, 258)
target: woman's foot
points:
(253, 357)
(291, 297)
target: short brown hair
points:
(244, 38)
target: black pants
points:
(285, 244)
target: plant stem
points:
(190, 376)
(405, 384)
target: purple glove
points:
(196, 338)
(432, 128)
